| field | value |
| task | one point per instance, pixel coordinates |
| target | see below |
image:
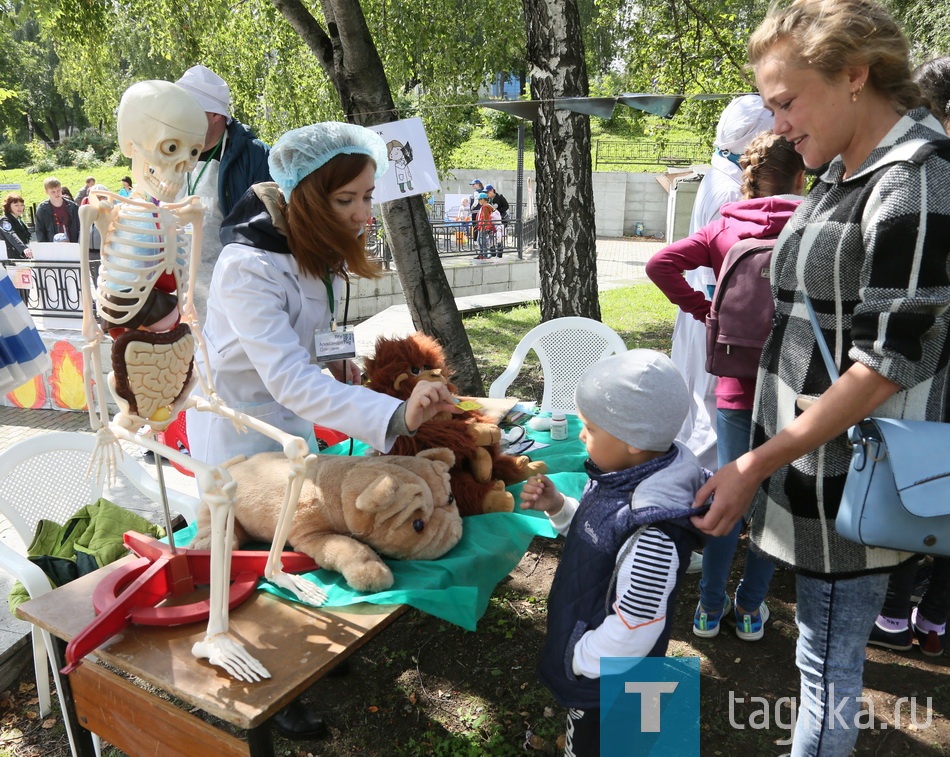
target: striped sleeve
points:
(646, 577)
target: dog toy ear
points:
(386, 491)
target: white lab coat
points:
(260, 336)
(719, 186)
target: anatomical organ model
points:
(143, 300)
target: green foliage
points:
(483, 153)
(29, 65)
(928, 27)
(100, 145)
(499, 124)
(42, 158)
(14, 155)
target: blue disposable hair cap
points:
(300, 152)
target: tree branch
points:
(310, 32)
(740, 67)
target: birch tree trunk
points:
(349, 56)
(566, 235)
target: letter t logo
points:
(650, 692)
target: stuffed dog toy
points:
(481, 471)
(350, 508)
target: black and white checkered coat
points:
(872, 253)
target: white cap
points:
(742, 120)
(209, 89)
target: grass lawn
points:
(640, 314)
(73, 178)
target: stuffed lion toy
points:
(481, 470)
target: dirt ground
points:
(425, 687)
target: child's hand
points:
(540, 493)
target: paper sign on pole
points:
(411, 166)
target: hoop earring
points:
(854, 95)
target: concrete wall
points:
(467, 277)
(620, 199)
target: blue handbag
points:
(897, 493)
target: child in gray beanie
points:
(629, 538)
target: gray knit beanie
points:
(638, 396)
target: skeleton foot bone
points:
(224, 652)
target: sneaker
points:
(931, 643)
(899, 640)
(751, 626)
(705, 623)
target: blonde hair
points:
(51, 182)
(770, 166)
(321, 244)
(831, 35)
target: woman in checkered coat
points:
(869, 247)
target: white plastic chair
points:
(47, 477)
(565, 348)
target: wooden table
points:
(298, 644)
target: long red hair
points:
(320, 243)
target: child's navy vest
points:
(583, 590)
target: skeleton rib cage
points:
(144, 242)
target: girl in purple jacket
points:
(772, 179)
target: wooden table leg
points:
(260, 741)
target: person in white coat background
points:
(289, 249)
(742, 119)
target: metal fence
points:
(650, 153)
(456, 239)
(56, 289)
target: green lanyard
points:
(328, 282)
(193, 187)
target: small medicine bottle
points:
(558, 427)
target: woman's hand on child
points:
(540, 493)
(732, 490)
(427, 400)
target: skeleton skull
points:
(162, 128)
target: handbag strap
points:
(820, 339)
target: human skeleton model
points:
(143, 298)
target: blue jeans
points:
(834, 620)
(732, 438)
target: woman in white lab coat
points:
(288, 248)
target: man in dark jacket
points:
(57, 215)
(233, 159)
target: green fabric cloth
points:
(457, 586)
(91, 538)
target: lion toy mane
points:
(481, 470)
(350, 509)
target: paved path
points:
(620, 262)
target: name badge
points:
(339, 344)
